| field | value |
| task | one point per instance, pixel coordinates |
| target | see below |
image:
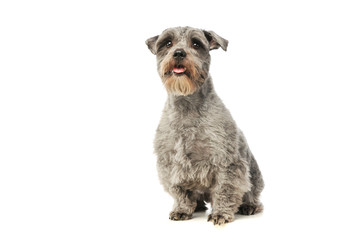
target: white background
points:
(80, 100)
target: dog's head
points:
(183, 57)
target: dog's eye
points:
(196, 44)
(169, 44)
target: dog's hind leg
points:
(251, 203)
(201, 206)
(202, 200)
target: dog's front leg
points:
(226, 198)
(184, 205)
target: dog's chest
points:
(188, 166)
(188, 146)
(190, 155)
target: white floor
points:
(280, 220)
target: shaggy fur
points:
(202, 155)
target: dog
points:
(202, 156)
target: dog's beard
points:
(181, 84)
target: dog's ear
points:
(151, 43)
(215, 41)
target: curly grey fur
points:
(202, 155)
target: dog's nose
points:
(179, 54)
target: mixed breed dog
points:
(202, 156)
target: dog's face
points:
(183, 57)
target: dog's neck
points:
(193, 102)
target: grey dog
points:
(202, 155)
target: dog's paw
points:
(179, 216)
(220, 219)
(246, 209)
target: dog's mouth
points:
(179, 69)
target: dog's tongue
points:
(179, 69)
